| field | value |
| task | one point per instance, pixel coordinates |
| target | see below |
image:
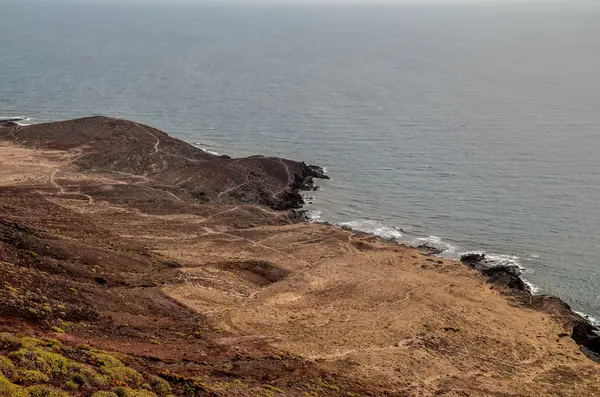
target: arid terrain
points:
(133, 264)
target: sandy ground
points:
(390, 316)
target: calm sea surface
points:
(471, 128)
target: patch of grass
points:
(272, 388)
(33, 376)
(188, 391)
(45, 391)
(127, 392)
(32, 367)
(9, 341)
(9, 389)
(155, 342)
(115, 371)
(71, 385)
(7, 368)
(50, 363)
(58, 330)
(104, 394)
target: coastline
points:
(509, 277)
(332, 304)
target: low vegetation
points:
(32, 367)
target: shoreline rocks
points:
(582, 331)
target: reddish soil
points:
(198, 268)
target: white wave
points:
(532, 287)
(314, 216)
(504, 260)
(375, 228)
(493, 260)
(14, 118)
(592, 320)
(206, 150)
(434, 242)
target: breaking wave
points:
(375, 228)
(205, 149)
(592, 320)
(445, 249)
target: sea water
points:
(467, 128)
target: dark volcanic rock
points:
(315, 171)
(508, 276)
(472, 259)
(586, 335)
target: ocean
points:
(470, 128)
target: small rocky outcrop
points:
(472, 259)
(508, 276)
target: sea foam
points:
(376, 228)
(436, 242)
(205, 149)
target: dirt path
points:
(156, 149)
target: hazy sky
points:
(366, 2)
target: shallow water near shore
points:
(465, 128)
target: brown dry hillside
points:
(134, 264)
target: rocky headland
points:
(134, 264)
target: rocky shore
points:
(583, 332)
(134, 264)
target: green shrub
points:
(8, 389)
(115, 371)
(92, 377)
(50, 363)
(7, 368)
(188, 391)
(8, 340)
(104, 394)
(161, 386)
(71, 385)
(127, 392)
(34, 376)
(80, 379)
(46, 391)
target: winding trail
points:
(54, 183)
(156, 149)
(289, 176)
(12, 133)
(257, 244)
(220, 213)
(62, 190)
(153, 136)
(171, 194)
(219, 196)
